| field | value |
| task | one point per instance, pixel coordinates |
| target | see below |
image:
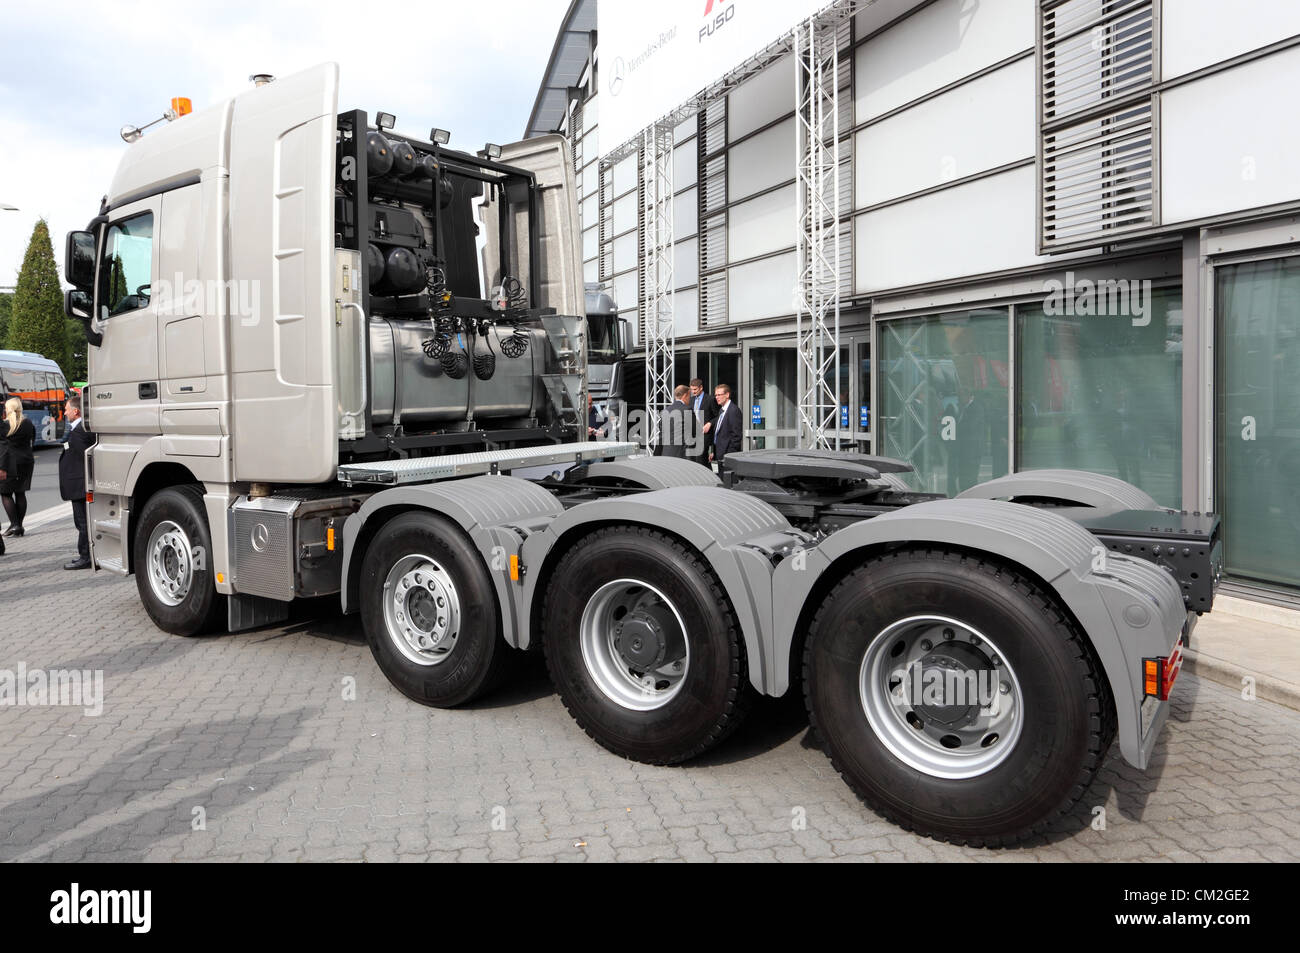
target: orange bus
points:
(43, 389)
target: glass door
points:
(860, 412)
(1257, 432)
(770, 397)
(717, 365)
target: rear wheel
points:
(643, 647)
(172, 560)
(955, 697)
(430, 612)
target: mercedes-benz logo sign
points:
(261, 536)
(616, 78)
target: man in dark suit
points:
(727, 427)
(677, 429)
(72, 476)
(705, 409)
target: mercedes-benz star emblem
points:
(260, 537)
(616, 79)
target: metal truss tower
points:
(817, 231)
(660, 331)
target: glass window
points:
(945, 398)
(1258, 410)
(1103, 392)
(20, 382)
(128, 265)
(864, 389)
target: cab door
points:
(124, 380)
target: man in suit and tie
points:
(727, 427)
(72, 476)
(705, 409)
(677, 429)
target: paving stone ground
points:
(251, 735)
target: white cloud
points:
(72, 73)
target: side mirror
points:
(79, 305)
(624, 337)
(79, 260)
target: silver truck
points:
(328, 358)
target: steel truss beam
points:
(660, 332)
(814, 45)
(817, 191)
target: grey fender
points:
(495, 512)
(655, 473)
(1128, 608)
(731, 531)
(1077, 486)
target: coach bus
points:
(43, 389)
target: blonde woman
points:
(17, 463)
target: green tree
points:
(6, 309)
(38, 321)
(74, 362)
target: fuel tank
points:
(413, 389)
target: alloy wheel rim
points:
(941, 696)
(634, 644)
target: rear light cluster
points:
(1159, 674)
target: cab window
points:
(127, 270)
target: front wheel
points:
(643, 647)
(172, 560)
(955, 697)
(430, 612)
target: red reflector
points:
(90, 496)
(1173, 665)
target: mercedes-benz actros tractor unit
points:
(331, 359)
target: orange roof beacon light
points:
(180, 106)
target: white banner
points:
(656, 54)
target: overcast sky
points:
(73, 73)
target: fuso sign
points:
(655, 56)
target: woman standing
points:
(19, 435)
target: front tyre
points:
(430, 613)
(172, 561)
(955, 697)
(643, 647)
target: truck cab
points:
(274, 289)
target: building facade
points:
(1070, 237)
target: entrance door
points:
(770, 396)
(719, 365)
(1257, 392)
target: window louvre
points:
(1097, 168)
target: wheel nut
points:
(1004, 688)
(926, 645)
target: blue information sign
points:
(756, 414)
